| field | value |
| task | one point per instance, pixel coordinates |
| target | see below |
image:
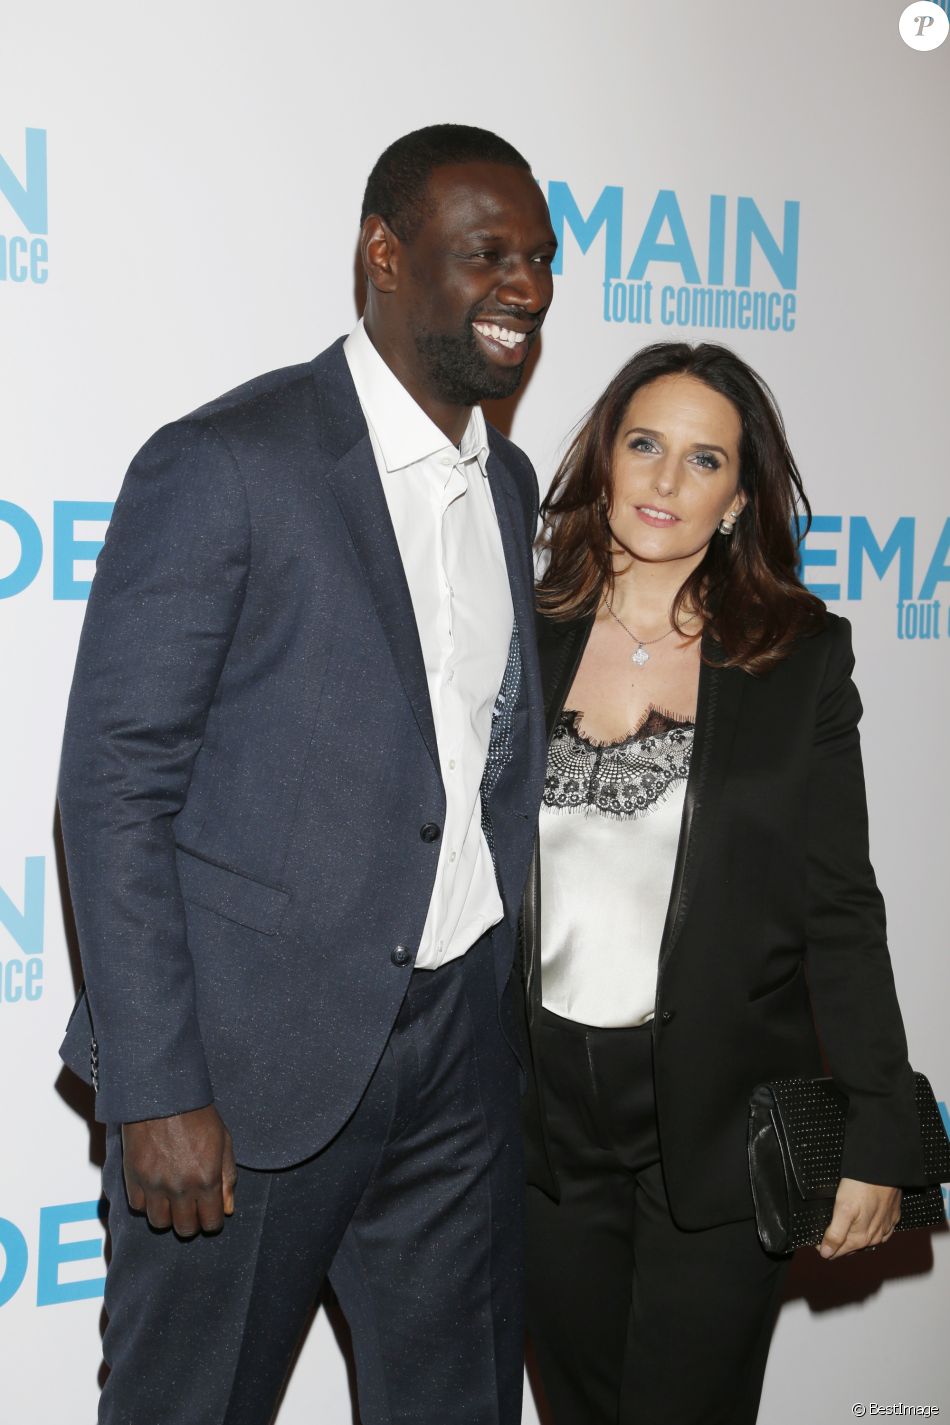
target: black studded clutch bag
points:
(796, 1139)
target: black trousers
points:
(415, 1210)
(633, 1320)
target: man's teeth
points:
(500, 334)
(656, 514)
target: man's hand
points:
(180, 1171)
(865, 1215)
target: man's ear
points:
(380, 252)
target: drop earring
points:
(728, 522)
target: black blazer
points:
(775, 927)
(250, 777)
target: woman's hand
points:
(865, 1215)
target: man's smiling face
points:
(476, 280)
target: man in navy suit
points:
(302, 761)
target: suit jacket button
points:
(402, 955)
(430, 831)
(667, 1015)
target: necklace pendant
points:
(640, 657)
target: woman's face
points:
(675, 470)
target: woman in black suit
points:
(702, 900)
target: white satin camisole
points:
(609, 827)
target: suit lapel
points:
(719, 702)
(510, 517)
(358, 489)
(560, 647)
(355, 483)
(511, 525)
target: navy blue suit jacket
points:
(249, 757)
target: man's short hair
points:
(396, 188)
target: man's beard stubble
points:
(459, 373)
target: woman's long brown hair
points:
(747, 587)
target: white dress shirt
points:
(447, 531)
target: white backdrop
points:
(204, 168)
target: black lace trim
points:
(627, 778)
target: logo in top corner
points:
(925, 25)
(24, 212)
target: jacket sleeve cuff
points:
(882, 1142)
(147, 1101)
(130, 1088)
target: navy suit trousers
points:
(413, 1211)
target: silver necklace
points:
(640, 654)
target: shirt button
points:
(401, 955)
(451, 760)
(430, 831)
(452, 857)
